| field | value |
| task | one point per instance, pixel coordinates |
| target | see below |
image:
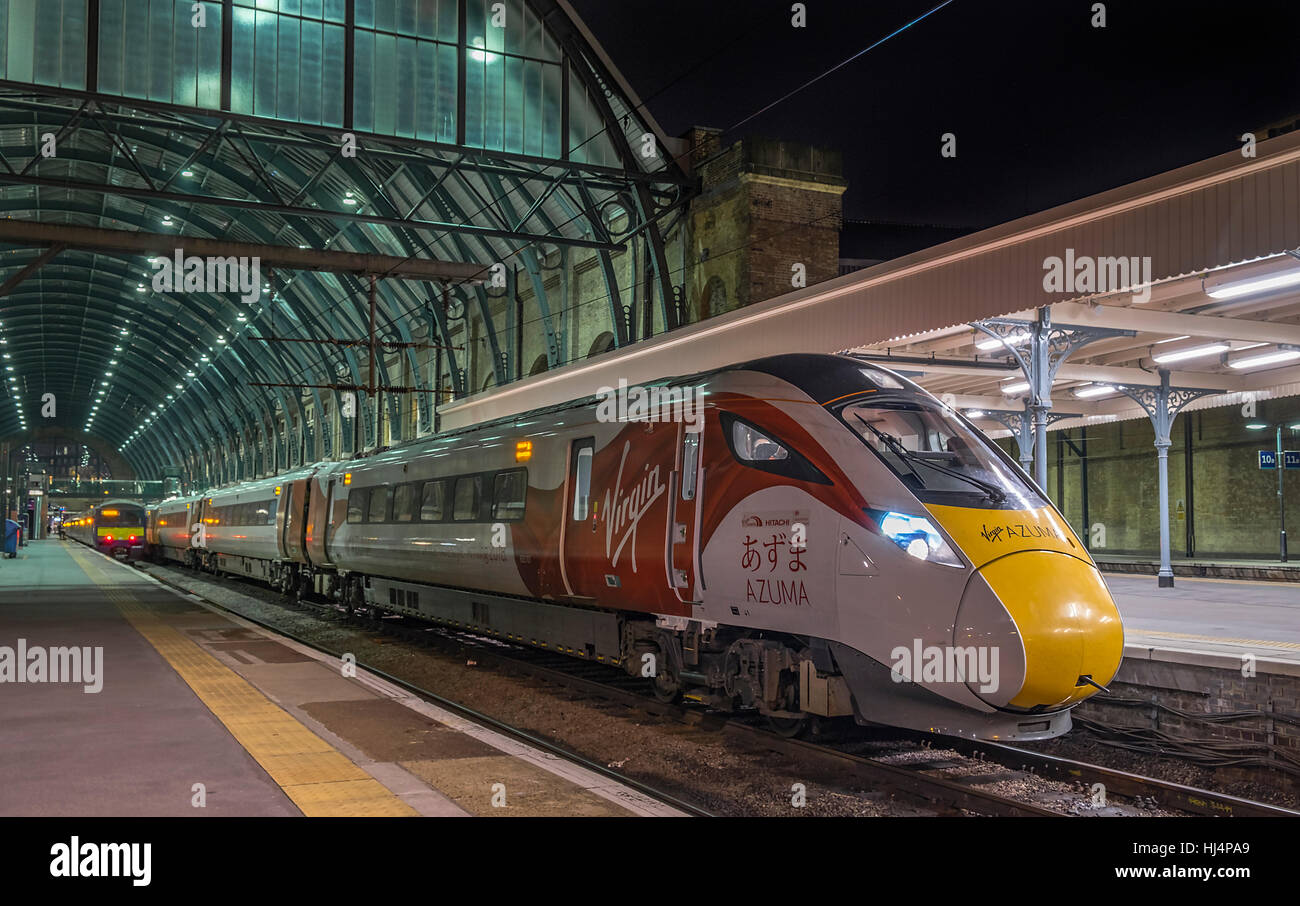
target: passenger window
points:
(403, 498)
(582, 483)
(270, 509)
(378, 504)
(690, 463)
(468, 494)
(357, 505)
(431, 502)
(509, 494)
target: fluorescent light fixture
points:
(1019, 387)
(1192, 352)
(1256, 283)
(1267, 358)
(993, 342)
(1255, 426)
(1171, 339)
(974, 413)
(1094, 390)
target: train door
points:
(684, 510)
(285, 516)
(579, 519)
(327, 530)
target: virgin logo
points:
(624, 512)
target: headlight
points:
(918, 537)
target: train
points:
(808, 537)
(113, 527)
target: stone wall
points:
(1232, 505)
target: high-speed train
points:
(801, 534)
(114, 527)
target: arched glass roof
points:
(444, 136)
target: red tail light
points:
(131, 539)
(108, 538)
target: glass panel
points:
(403, 502)
(431, 502)
(468, 493)
(690, 463)
(509, 494)
(356, 504)
(582, 484)
(378, 510)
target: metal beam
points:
(41, 260)
(1173, 323)
(61, 235)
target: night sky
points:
(1046, 108)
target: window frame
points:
(496, 502)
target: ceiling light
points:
(1019, 387)
(1192, 352)
(1268, 358)
(1257, 283)
(994, 342)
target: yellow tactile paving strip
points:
(1255, 643)
(318, 778)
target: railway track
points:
(915, 779)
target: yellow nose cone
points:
(1067, 620)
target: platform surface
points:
(1218, 616)
(194, 704)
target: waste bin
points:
(13, 533)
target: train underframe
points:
(790, 680)
(796, 682)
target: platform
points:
(183, 710)
(1202, 567)
(1211, 622)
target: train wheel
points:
(790, 727)
(666, 688)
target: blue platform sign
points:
(1290, 459)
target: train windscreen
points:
(939, 457)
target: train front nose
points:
(1050, 625)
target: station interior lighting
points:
(1092, 390)
(1018, 387)
(1190, 352)
(1267, 358)
(994, 342)
(1258, 282)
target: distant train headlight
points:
(918, 537)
